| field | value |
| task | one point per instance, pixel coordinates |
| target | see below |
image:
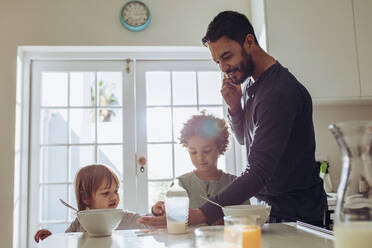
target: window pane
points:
(109, 88)
(182, 160)
(54, 164)
(158, 88)
(79, 157)
(216, 111)
(54, 89)
(82, 126)
(55, 228)
(180, 116)
(110, 125)
(53, 126)
(184, 88)
(157, 192)
(159, 124)
(82, 88)
(209, 87)
(160, 161)
(52, 209)
(112, 156)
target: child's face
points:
(105, 197)
(203, 153)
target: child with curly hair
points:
(206, 137)
(96, 187)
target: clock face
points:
(135, 13)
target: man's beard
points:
(246, 67)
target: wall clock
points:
(135, 15)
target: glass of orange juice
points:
(244, 230)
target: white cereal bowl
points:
(100, 222)
(245, 210)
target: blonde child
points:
(96, 187)
(206, 137)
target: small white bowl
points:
(100, 222)
(245, 210)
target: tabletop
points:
(273, 236)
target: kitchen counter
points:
(273, 236)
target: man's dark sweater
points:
(276, 126)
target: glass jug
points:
(176, 208)
(353, 222)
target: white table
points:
(284, 235)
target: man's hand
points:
(232, 95)
(42, 234)
(153, 221)
(196, 217)
(158, 209)
(218, 222)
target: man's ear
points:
(249, 41)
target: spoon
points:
(215, 203)
(68, 205)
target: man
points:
(275, 124)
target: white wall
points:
(83, 22)
(325, 142)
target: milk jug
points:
(176, 208)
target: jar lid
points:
(176, 193)
(176, 190)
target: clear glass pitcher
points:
(353, 222)
(176, 208)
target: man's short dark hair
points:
(231, 24)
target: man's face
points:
(232, 59)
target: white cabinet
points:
(316, 41)
(363, 30)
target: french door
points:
(168, 93)
(115, 113)
(80, 114)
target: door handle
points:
(141, 161)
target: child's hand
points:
(42, 234)
(158, 209)
(153, 221)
